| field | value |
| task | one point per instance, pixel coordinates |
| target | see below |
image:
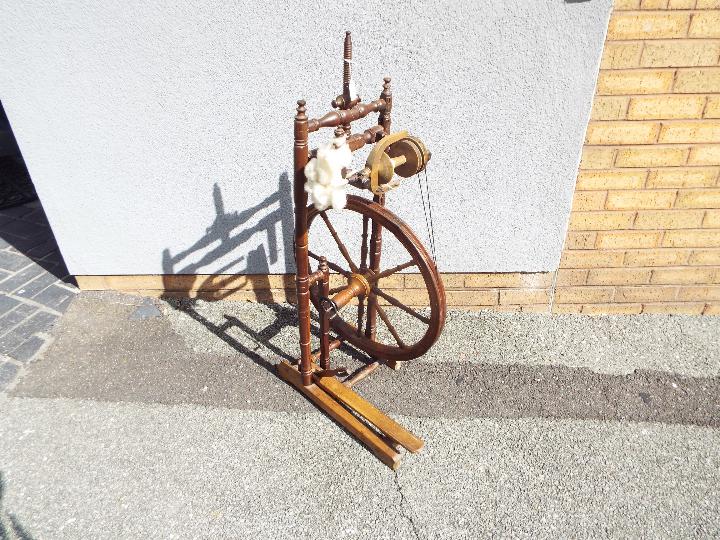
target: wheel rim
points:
(399, 350)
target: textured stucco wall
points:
(138, 120)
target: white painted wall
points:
(129, 113)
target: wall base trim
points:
(514, 291)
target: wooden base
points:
(340, 402)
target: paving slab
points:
(34, 288)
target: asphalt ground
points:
(149, 419)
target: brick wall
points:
(502, 292)
(644, 232)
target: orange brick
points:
(618, 276)
(656, 257)
(580, 240)
(680, 53)
(597, 158)
(692, 238)
(583, 295)
(665, 107)
(524, 296)
(705, 257)
(451, 281)
(621, 55)
(645, 199)
(698, 198)
(91, 283)
(571, 277)
(566, 309)
(395, 281)
(669, 219)
(704, 131)
(410, 281)
(646, 293)
(609, 107)
(588, 200)
(613, 179)
(652, 156)
(653, 4)
(705, 25)
(636, 81)
(704, 294)
(535, 308)
(676, 276)
(680, 178)
(628, 239)
(647, 25)
(693, 81)
(508, 280)
(409, 297)
(712, 219)
(591, 259)
(611, 309)
(600, 221)
(704, 155)
(472, 298)
(712, 110)
(674, 308)
(622, 133)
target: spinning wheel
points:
(361, 332)
(351, 310)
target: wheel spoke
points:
(363, 268)
(397, 303)
(339, 243)
(331, 265)
(391, 271)
(389, 326)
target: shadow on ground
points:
(10, 526)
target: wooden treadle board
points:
(371, 413)
(327, 403)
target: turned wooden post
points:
(302, 281)
(384, 120)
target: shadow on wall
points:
(10, 527)
(229, 233)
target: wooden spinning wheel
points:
(352, 309)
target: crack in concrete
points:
(403, 512)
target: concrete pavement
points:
(147, 420)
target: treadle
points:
(372, 414)
(382, 450)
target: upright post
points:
(384, 120)
(302, 280)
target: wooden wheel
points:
(359, 326)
